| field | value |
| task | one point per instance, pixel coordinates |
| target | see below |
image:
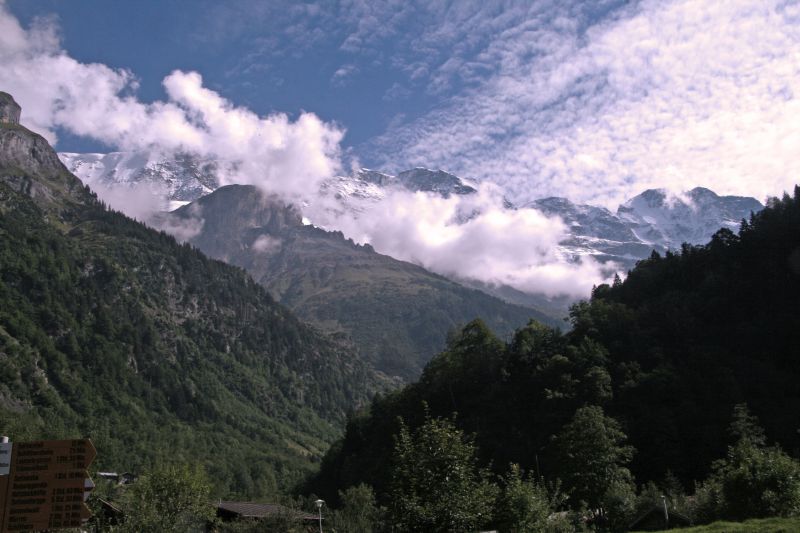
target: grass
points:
(762, 525)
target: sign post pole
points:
(5, 474)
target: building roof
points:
(261, 510)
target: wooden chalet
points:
(230, 511)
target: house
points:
(108, 514)
(229, 511)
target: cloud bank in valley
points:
(469, 236)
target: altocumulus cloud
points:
(56, 91)
(470, 237)
(656, 93)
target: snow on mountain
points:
(367, 186)
(438, 181)
(182, 178)
(653, 220)
(657, 217)
(594, 231)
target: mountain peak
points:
(659, 217)
(242, 206)
(703, 192)
(374, 176)
(552, 203)
(31, 166)
(438, 181)
(9, 109)
(650, 197)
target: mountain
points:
(397, 313)
(657, 218)
(669, 353)
(113, 330)
(181, 178)
(653, 220)
(437, 181)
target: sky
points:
(592, 100)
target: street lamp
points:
(320, 503)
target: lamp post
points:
(320, 503)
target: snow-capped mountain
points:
(367, 186)
(653, 220)
(595, 231)
(182, 178)
(656, 217)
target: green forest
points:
(682, 380)
(114, 331)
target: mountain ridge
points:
(653, 220)
(113, 330)
(398, 313)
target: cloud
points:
(468, 236)
(597, 106)
(183, 228)
(265, 244)
(431, 44)
(591, 100)
(279, 154)
(137, 200)
(396, 92)
(344, 75)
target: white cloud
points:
(137, 200)
(282, 155)
(265, 244)
(660, 94)
(468, 236)
(182, 228)
(344, 75)
(396, 92)
(579, 99)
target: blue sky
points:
(267, 56)
(593, 100)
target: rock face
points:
(21, 148)
(26, 150)
(25, 155)
(9, 109)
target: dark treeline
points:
(668, 354)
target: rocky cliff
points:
(9, 109)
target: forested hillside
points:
(111, 330)
(668, 353)
(397, 313)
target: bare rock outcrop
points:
(28, 163)
(9, 109)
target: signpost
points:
(45, 485)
